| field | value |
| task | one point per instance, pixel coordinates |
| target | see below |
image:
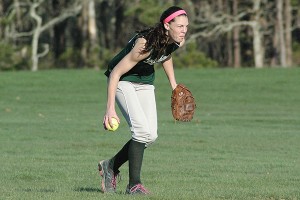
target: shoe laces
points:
(116, 179)
(139, 187)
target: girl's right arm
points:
(127, 63)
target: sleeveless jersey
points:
(143, 71)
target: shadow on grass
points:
(39, 190)
(87, 189)
(91, 190)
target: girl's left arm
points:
(169, 70)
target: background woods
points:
(40, 34)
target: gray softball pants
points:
(137, 104)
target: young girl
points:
(130, 83)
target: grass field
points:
(244, 142)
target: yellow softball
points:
(115, 125)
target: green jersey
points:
(143, 71)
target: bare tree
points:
(288, 32)
(211, 23)
(282, 49)
(274, 49)
(88, 29)
(282, 38)
(40, 28)
(92, 27)
(36, 34)
(257, 35)
(236, 38)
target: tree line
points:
(43, 34)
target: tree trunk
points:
(59, 37)
(36, 35)
(288, 33)
(282, 46)
(257, 46)
(93, 37)
(84, 31)
(274, 50)
(236, 39)
(92, 27)
(107, 18)
(59, 43)
(119, 13)
(18, 14)
(89, 31)
(225, 6)
(257, 36)
(229, 49)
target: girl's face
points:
(177, 29)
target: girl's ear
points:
(167, 26)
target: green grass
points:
(244, 142)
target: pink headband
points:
(175, 14)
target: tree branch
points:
(67, 13)
(220, 28)
(22, 34)
(46, 50)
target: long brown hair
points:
(156, 38)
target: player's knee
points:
(145, 135)
(151, 139)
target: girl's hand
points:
(107, 118)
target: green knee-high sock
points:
(120, 158)
(135, 157)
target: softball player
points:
(130, 84)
